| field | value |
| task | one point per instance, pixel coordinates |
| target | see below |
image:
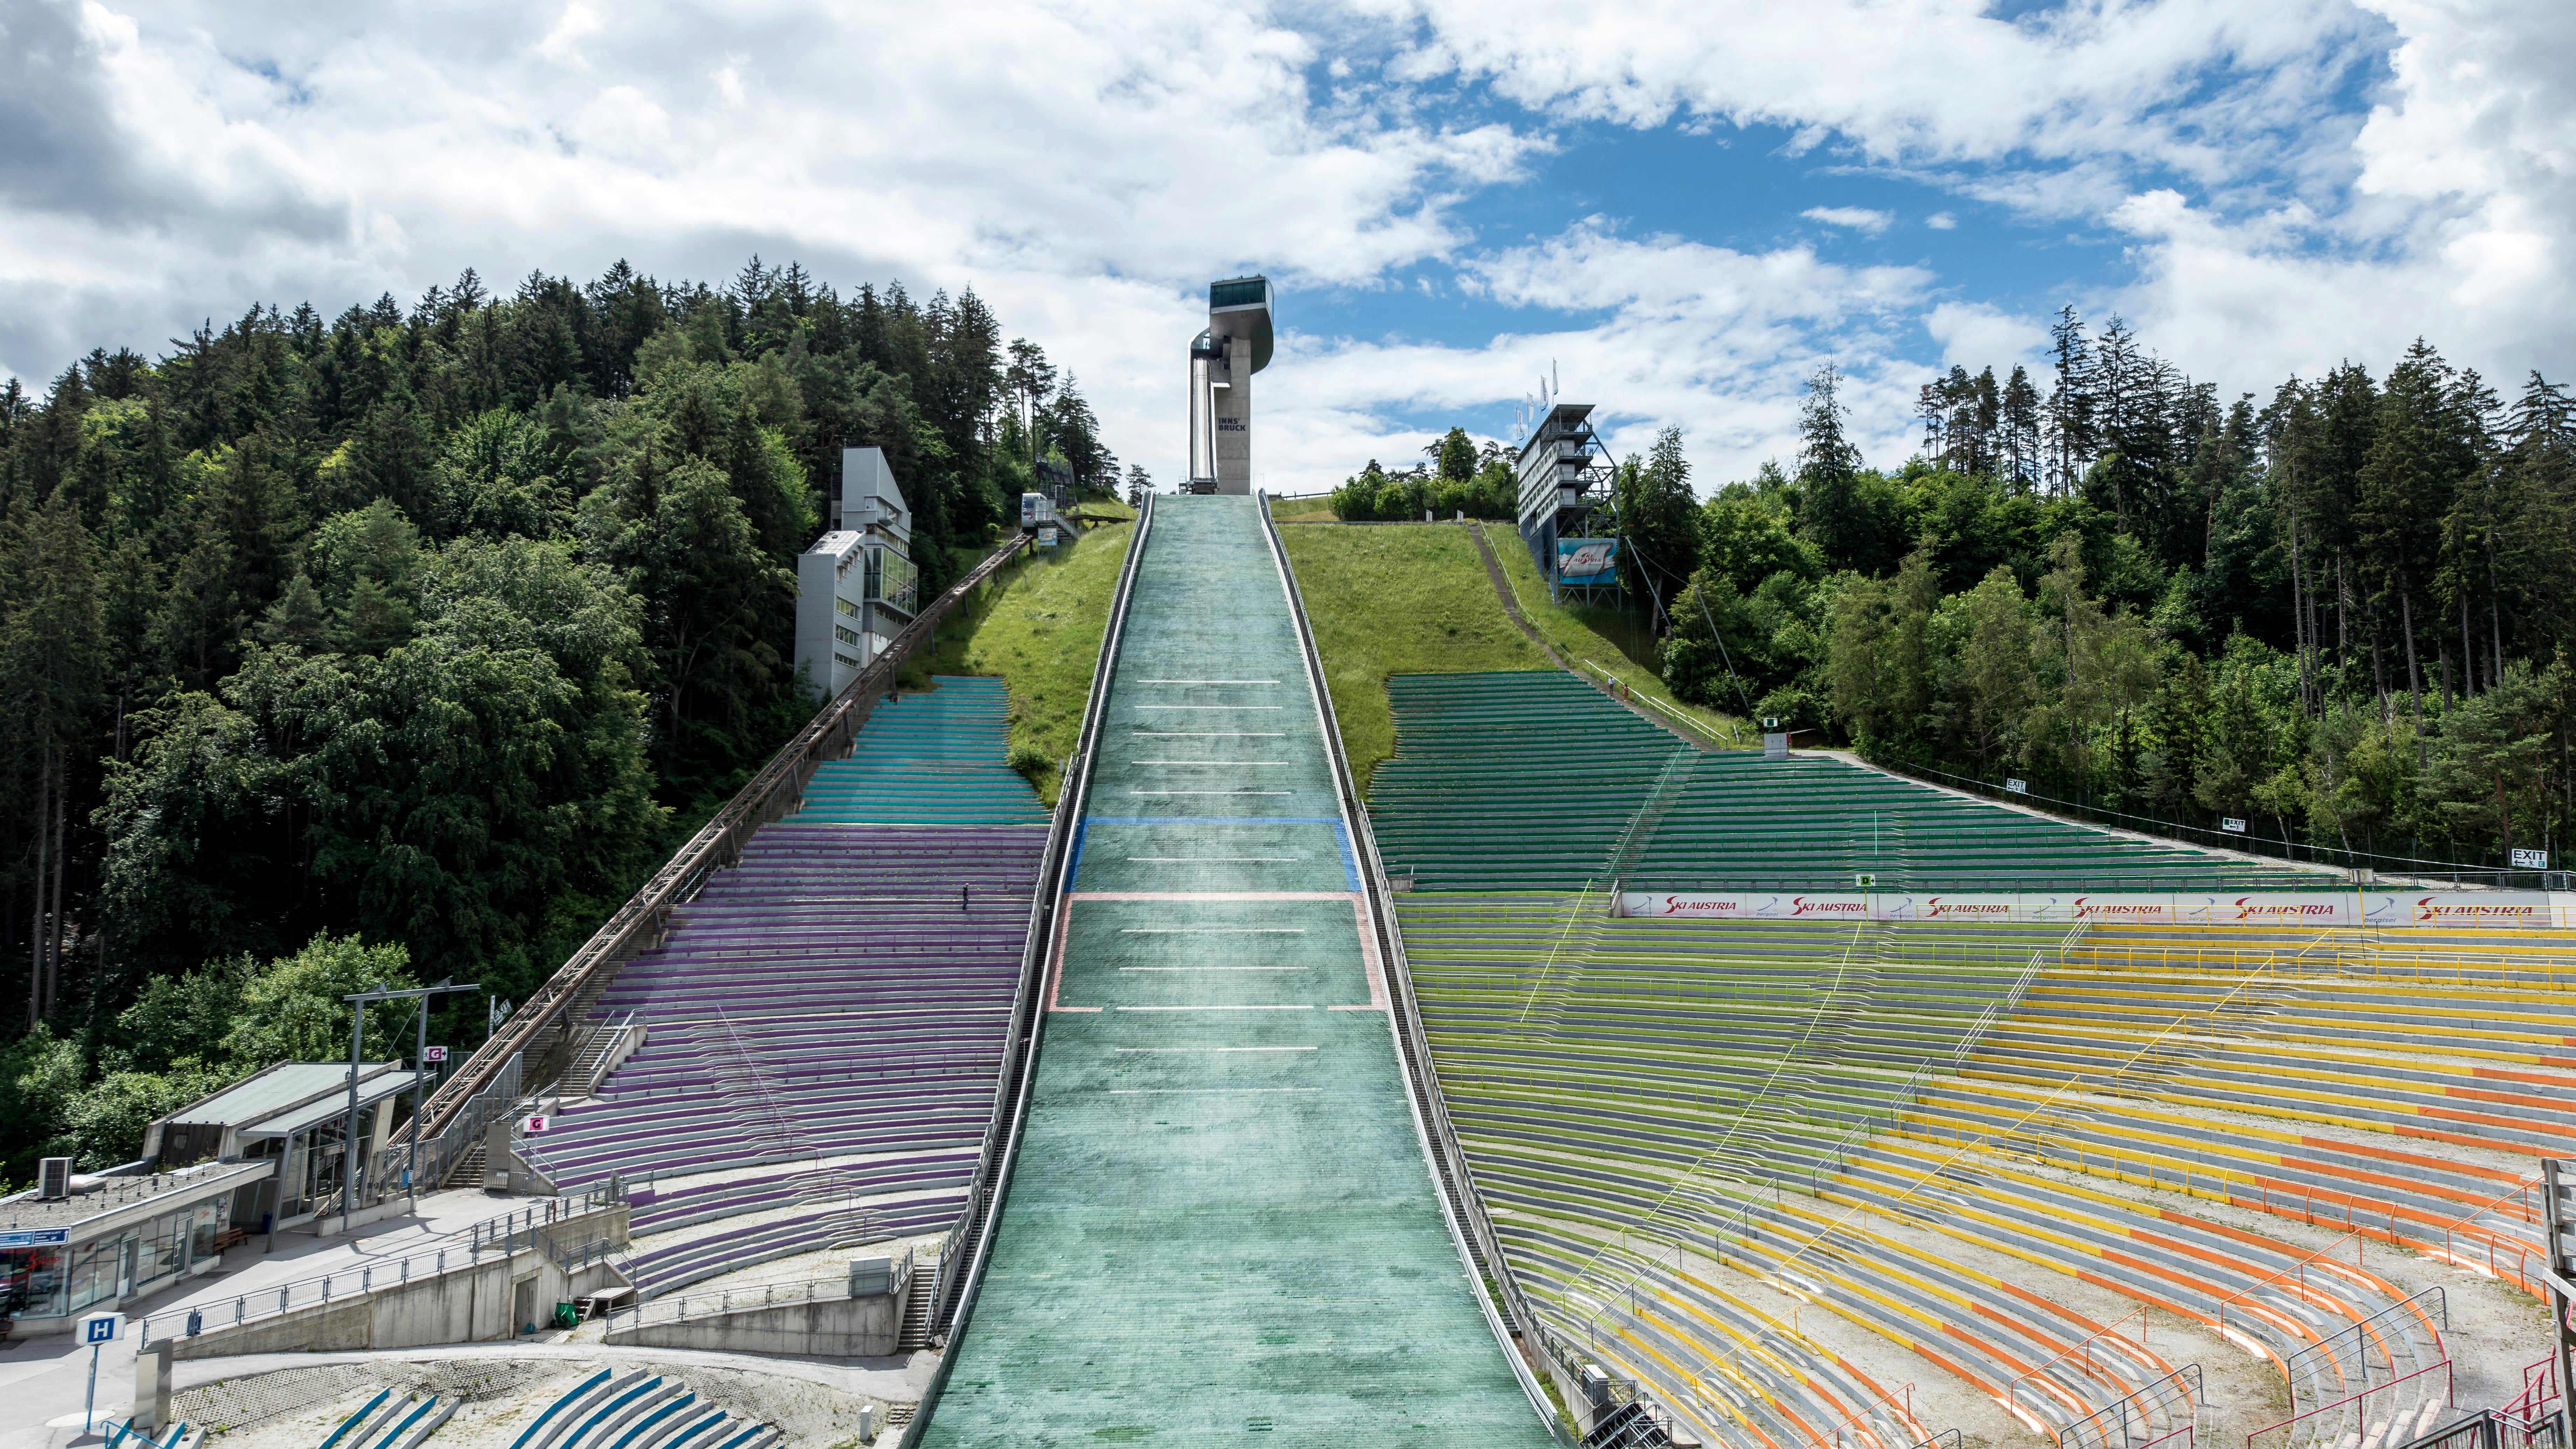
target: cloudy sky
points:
(1681, 205)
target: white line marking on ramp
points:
(1211, 706)
(1208, 734)
(1211, 930)
(1216, 968)
(1207, 762)
(1203, 1091)
(1207, 681)
(1304, 1007)
(1177, 859)
(1214, 1049)
(1211, 792)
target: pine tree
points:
(1831, 510)
(2070, 438)
(2019, 412)
(2424, 451)
(51, 650)
(1658, 522)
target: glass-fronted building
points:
(119, 1235)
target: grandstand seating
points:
(1642, 1098)
(935, 757)
(1533, 781)
(825, 1021)
(638, 1410)
(1510, 780)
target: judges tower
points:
(1223, 359)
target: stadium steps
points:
(837, 999)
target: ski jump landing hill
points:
(1224, 1214)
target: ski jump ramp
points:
(1221, 1219)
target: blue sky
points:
(1687, 205)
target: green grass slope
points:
(1397, 598)
(1038, 627)
(1620, 643)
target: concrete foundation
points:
(826, 1328)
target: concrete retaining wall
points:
(826, 1328)
(479, 1302)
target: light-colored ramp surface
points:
(1221, 1221)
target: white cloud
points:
(2204, 87)
(1975, 334)
(1085, 166)
(2456, 228)
(1715, 341)
(1858, 218)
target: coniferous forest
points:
(2340, 612)
(401, 645)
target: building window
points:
(892, 580)
(845, 634)
(845, 606)
(31, 1282)
(845, 660)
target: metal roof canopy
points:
(266, 1093)
(371, 1090)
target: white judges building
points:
(856, 587)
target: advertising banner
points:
(1587, 560)
(2530, 910)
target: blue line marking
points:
(1073, 865)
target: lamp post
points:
(358, 1001)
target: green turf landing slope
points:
(928, 758)
(1221, 1221)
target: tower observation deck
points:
(1223, 359)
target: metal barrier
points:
(508, 1233)
(973, 1236)
(969, 1244)
(751, 1297)
(391, 1171)
(1460, 1204)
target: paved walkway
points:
(1222, 1220)
(46, 1378)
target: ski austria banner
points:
(2530, 910)
(1587, 560)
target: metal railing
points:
(747, 1298)
(2295, 852)
(2145, 1416)
(1470, 1228)
(508, 1233)
(573, 1260)
(1627, 694)
(1011, 1089)
(385, 1171)
(2327, 1421)
(639, 924)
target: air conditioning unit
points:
(54, 1178)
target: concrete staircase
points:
(918, 1302)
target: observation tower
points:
(1223, 359)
